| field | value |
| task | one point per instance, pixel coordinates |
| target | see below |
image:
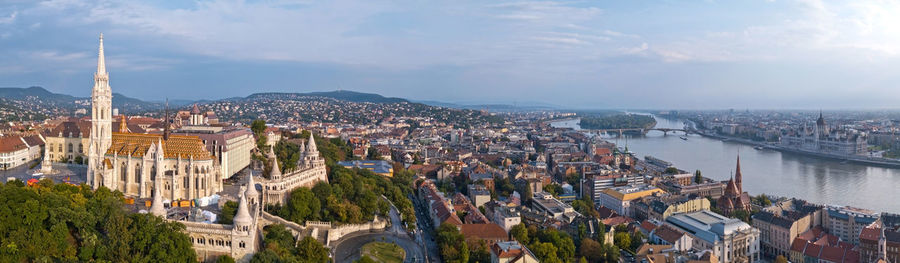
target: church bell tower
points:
(101, 121)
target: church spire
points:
(166, 122)
(737, 175)
(101, 60)
(123, 127)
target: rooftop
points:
(707, 225)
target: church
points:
(133, 162)
(734, 198)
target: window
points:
(186, 180)
(80, 148)
(70, 147)
(59, 148)
(137, 172)
(124, 172)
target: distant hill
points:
(345, 95)
(36, 93)
(40, 97)
(491, 107)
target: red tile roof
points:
(10, 144)
(489, 232)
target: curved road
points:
(347, 249)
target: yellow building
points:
(659, 208)
(619, 199)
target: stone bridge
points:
(619, 132)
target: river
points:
(769, 172)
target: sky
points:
(781, 54)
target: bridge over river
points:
(642, 131)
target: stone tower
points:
(101, 121)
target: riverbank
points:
(882, 162)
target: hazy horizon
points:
(801, 54)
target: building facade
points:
(230, 146)
(730, 240)
(310, 170)
(17, 150)
(619, 199)
(134, 163)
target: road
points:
(76, 174)
(425, 230)
(347, 249)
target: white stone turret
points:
(251, 193)
(157, 208)
(243, 220)
(311, 147)
(276, 171)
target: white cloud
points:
(9, 19)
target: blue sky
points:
(586, 54)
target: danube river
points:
(770, 172)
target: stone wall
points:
(322, 231)
(337, 233)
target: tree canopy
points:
(62, 222)
(279, 247)
(617, 121)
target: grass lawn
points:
(384, 252)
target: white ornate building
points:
(132, 163)
(310, 170)
(823, 139)
(240, 240)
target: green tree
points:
(258, 126)
(671, 170)
(520, 233)
(452, 244)
(698, 178)
(312, 251)
(611, 253)
(623, 240)
(61, 222)
(225, 259)
(591, 250)
(228, 212)
(373, 154)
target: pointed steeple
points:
(311, 147)
(737, 175)
(157, 208)
(123, 127)
(101, 59)
(242, 218)
(276, 172)
(166, 122)
(251, 192)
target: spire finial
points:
(166, 120)
(101, 59)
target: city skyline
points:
(770, 54)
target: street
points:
(347, 249)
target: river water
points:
(822, 181)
